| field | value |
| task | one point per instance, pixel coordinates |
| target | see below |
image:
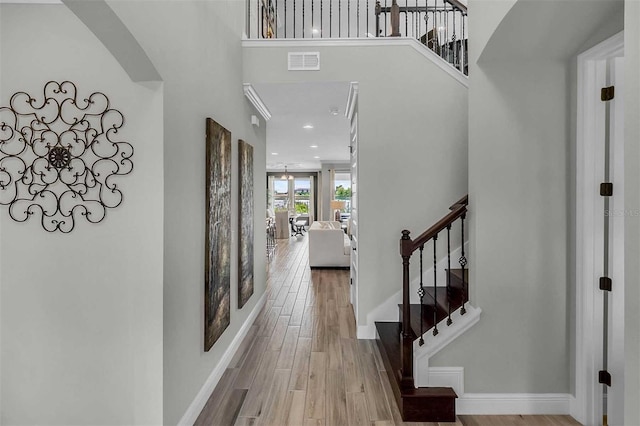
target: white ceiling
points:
(294, 105)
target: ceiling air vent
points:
(304, 61)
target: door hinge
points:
(606, 189)
(350, 281)
(604, 377)
(605, 283)
(607, 93)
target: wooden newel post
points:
(395, 19)
(406, 248)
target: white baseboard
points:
(576, 410)
(366, 331)
(448, 377)
(198, 403)
(514, 403)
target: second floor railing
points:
(441, 25)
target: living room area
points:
(309, 170)
(293, 213)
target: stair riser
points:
(414, 404)
(430, 410)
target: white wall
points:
(195, 46)
(520, 183)
(81, 313)
(412, 144)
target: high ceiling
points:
(295, 105)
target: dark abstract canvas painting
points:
(217, 275)
(245, 263)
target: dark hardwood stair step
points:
(456, 277)
(455, 298)
(428, 319)
(430, 404)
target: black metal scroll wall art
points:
(60, 157)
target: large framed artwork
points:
(245, 263)
(217, 275)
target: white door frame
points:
(351, 112)
(592, 75)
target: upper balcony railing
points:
(441, 25)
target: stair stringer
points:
(434, 344)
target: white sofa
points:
(329, 246)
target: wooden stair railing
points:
(396, 339)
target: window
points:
(280, 194)
(296, 194)
(301, 195)
(342, 190)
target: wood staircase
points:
(395, 339)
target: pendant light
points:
(286, 175)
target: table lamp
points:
(337, 205)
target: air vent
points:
(304, 61)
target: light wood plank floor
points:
(301, 363)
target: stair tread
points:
(433, 392)
(389, 333)
(456, 297)
(456, 275)
(427, 318)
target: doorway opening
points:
(310, 167)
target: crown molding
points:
(351, 100)
(256, 101)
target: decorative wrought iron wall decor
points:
(59, 157)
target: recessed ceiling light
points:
(316, 157)
(313, 146)
(308, 126)
(334, 111)
(315, 31)
(274, 153)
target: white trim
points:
(367, 331)
(613, 46)
(574, 407)
(352, 100)
(434, 344)
(616, 361)
(514, 403)
(209, 385)
(588, 350)
(448, 377)
(256, 101)
(358, 42)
